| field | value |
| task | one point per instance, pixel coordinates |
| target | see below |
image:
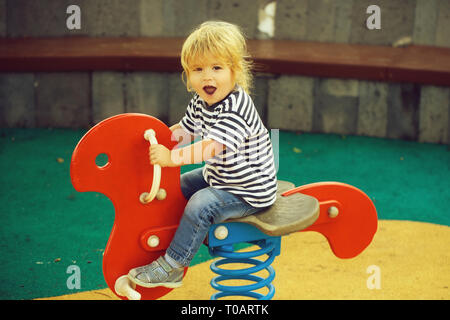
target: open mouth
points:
(209, 89)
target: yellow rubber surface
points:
(410, 260)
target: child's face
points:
(211, 79)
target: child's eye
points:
(197, 69)
(217, 67)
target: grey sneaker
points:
(156, 274)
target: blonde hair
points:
(224, 41)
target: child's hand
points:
(160, 155)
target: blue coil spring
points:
(230, 256)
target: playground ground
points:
(46, 226)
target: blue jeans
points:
(206, 206)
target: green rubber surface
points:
(47, 226)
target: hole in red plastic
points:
(102, 160)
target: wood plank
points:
(418, 64)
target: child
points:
(239, 176)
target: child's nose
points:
(207, 74)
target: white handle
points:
(145, 197)
(125, 287)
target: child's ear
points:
(237, 78)
(185, 79)
(233, 75)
